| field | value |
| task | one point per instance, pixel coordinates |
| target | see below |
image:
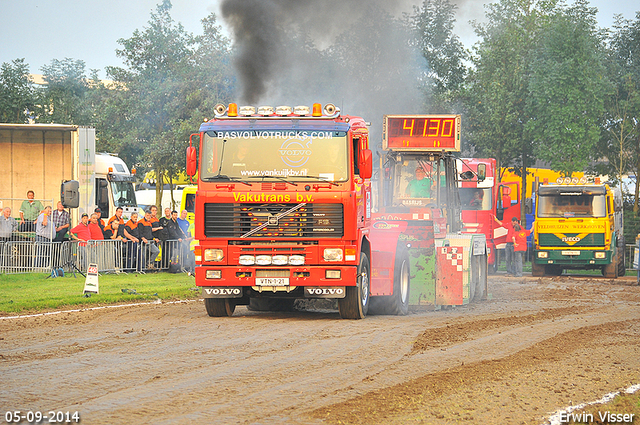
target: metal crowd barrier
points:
(112, 256)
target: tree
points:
(497, 89)
(17, 94)
(567, 88)
(620, 136)
(444, 53)
(171, 81)
(64, 96)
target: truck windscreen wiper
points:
(282, 179)
(225, 177)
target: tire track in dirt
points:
(398, 401)
(464, 330)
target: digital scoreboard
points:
(420, 132)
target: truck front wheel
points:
(355, 304)
(537, 270)
(220, 307)
(610, 271)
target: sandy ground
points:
(537, 345)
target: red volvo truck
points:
(283, 208)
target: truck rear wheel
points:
(220, 307)
(355, 304)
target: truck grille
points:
(571, 239)
(308, 221)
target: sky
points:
(88, 30)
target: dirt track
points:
(536, 346)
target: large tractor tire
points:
(220, 307)
(398, 303)
(355, 304)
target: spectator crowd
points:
(147, 234)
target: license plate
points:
(570, 252)
(272, 281)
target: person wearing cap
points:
(509, 254)
(81, 231)
(100, 220)
(420, 187)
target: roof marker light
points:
(247, 110)
(317, 110)
(283, 110)
(265, 110)
(301, 110)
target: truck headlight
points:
(600, 255)
(332, 254)
(296, 260)
(247, 260)
(213, 255)
(263, 260)
(280, 260)
(543, 254)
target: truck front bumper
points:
(574, 258)
(219, 276)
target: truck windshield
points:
(288, 154)
(415, 182)
(475, 199)
(573, 205)
(124, 194)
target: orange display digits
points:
(404, 126)
(447, 128)
(434, 128)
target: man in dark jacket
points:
(148, 243)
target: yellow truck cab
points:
(578, 225)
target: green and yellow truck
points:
(578, 225)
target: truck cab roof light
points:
(232, 111)
(283, 110)
(265, 110)
(247, 110)
(218, 110)
(331, 110)
(301, 110)
(317, 110)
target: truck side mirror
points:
(482, 172)
(69, 194)
(365, 163)
(192, 162)
(528, 206)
